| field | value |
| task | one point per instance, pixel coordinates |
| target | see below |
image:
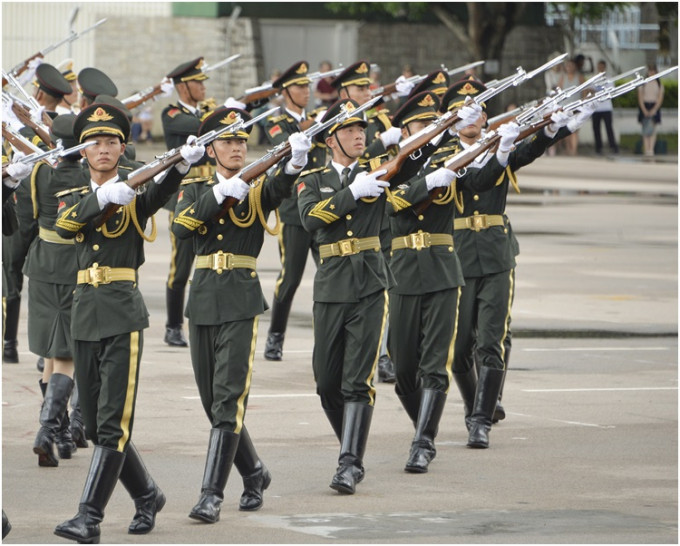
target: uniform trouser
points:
(222, 356)
(346, 349)
(422, 337)
(598, 118)
(294, 246)
(484, 319)
(181, 261)
(107, 373)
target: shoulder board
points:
(192, 181)
(385, 120)
(276, 119)
(81, 189)
(125, 168)
(310, 171)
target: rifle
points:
(265, 91)
(142, 175)
(23, 66)
(391, 88)
(150, 92)
(272, 157)
(19, 142)
(33, 104)
(50, 154)
(552, 62)
(23, 114)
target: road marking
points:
(612, 389)
(250, 397)
(538, 350)
(577, 423)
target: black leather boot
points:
(355, 426)
(411, 403)
(174, 303)
(101, 479)
(147, 496)
(10, 355)
(66, 447)
(335, 419)
(40, 364)
(488, 386)
(386, 369)
(221, 453)
(256, 476)
(499, 413)
(77, 425)
(429, 415)
(467, 386)
(56, 397)
(6, 526)
(273, 349)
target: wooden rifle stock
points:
(25, 117)
(155, 90)
(260, 95)
(21, 68)
(17, 143)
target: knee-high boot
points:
(467, 386)
(56, 398)
(429, 415)
(273, 349)
(256, 476)
(221, 452)
(77, 425)
(101, 479)
(355, 426)
(334, 417)
(488, 387)
(499, 413)
(174, 303)
(411, 403)
(10, 355)
(147, 496)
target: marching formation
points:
(403, 210)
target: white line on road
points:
(540, 349)
(578, 423)
(612, 389)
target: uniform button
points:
(450, 249)
(321, 261)
(476, 212)
(253, 274)
(221, 220)
(95, 247)
(421, 217)
(98, 229)
(220, 237)
(505, 230)
(350, 233)
(348, 217)
(476, 197)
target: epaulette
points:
(310, 171)
(125, 168)
(193, 181)
(81, 189)
(276, 119)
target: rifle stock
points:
(136, 100)
(259, 95)
(25, 117)
(16, 142)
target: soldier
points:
(226, 300)
(69, 103)
(180, 121)
(342, 206)
(424, 301)
(93, 82)
(108, 352)
(294, 242)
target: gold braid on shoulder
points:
(255, 211)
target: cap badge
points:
(100, 115)
(349, 107)
(200, 64)
(441, 78)
(468, 89)
(362, 69)
(427, 101)
(302, 69)
(230, 118)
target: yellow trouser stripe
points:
(130, 394)
(240, 406)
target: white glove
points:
(559, 119)
(300, 144)
(190, 152)
(231, 187)
(167, 87)
(508, 133)
(468, 115)
(440, 178)
(231, 102)
(9, 117)
(37, 115)
(318, 118)
(367, 185)
(404, 87)
(390, 137)
(582, 116)
(28, 74)
(118, 193)
(18, 171)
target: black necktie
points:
(344, 179)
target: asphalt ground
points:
(588, 452)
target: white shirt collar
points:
(339, 168)
(95, 186)
(298, 117)
(192, 109)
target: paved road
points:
(587, 454)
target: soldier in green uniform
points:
(226, 299)
(107, 352)
(294, 242)
(424, 301)
(342, 205)
(92, 82)
(180, 121)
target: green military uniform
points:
(224, 306)
(294, 242)
(93, 82)
(179, 122)
(108, 352)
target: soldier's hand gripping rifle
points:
(22, 111)
(163, 162)
(252, 172)
(49, 155)
(165, 86)
(23, 66)
(18, 141)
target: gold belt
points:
(200, 171)
(52, 237)
(225, 260)
(97, 275)
(422, 239)
(478, 222)
(348, 247)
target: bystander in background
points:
(650, 99)
(604, 113)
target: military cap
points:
(191, 70)
(456, 95)
(355, 74)
(423, 107)
(222, 117)
(295, 75)
(93, 82)
(113, 101)
(437, 81)
(101, 119)
(62, 129)
(336, 108)
(50, 80)
(66, 67)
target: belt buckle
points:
(479, 222)
(221, 261)
(99, 275)
(419, 240)
(347, 247)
